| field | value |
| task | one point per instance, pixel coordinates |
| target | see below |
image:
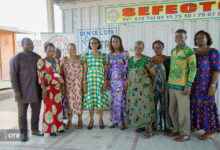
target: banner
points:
(103, 35)
(60, 40)
(174, 11)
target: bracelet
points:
(213, 85)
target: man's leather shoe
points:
(170, 134)
(23, 137)
(182, 138)
(37, 133)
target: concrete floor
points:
(5, 84)
(95, 139)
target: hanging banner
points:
(174, 11)
(103, 35)
(60, 40)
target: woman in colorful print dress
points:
(95, 82)
(204, 114)
(51, 80)
(117, 74)
(72, 70)
(161, 65)
(140, 107)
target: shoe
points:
(37, 133)
(61, 131)
(138, 130)
(53, 134)
(182, 138)
(112, 126)
(170, 134)
(101, 126)
(123, 128)
(90, 127)
(23, 137)
(207, 136)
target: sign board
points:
(103, 35)
(173, 11)
(60, 40)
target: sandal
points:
(79, 126)
(147, 135)
(138, 130)
(206, 136)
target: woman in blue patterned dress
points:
(95, 81)
(117, 75)
(204, 115)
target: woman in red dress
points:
(51, 80)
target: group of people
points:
(173, 93)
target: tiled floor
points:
(95, 139)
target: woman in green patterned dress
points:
(95, 81)
(140, 108)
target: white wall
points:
(91, 15)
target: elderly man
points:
(24, 79)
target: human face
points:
(57, 54)
(94, 44)
(71, 50)
(50, 52)
(28, 46)
(158, 49)
(201, 39)
(180, 38)
(115, 43)
(138, 49)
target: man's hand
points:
(187, 90)
(17, 96)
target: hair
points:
(121, 48)
(140, 42)
(157, 41)
(48, 44)
(71, 44)
(94, 38)
(181, 31)
(209, 42)
(24, 40)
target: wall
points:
(91, 15)
(7, 48)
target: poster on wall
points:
(60, 40)
(103, 35)
(172, 11)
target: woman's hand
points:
(44, 94)
(211, 91)
(85, 88)
(126, 85)
(152, 71)
(104, 86)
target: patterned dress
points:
(140, 107)
(204, 114)
(117, 74)
(73, 86)
(53, 113)
(161, 96)
(95, 98)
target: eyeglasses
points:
(93, 43)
